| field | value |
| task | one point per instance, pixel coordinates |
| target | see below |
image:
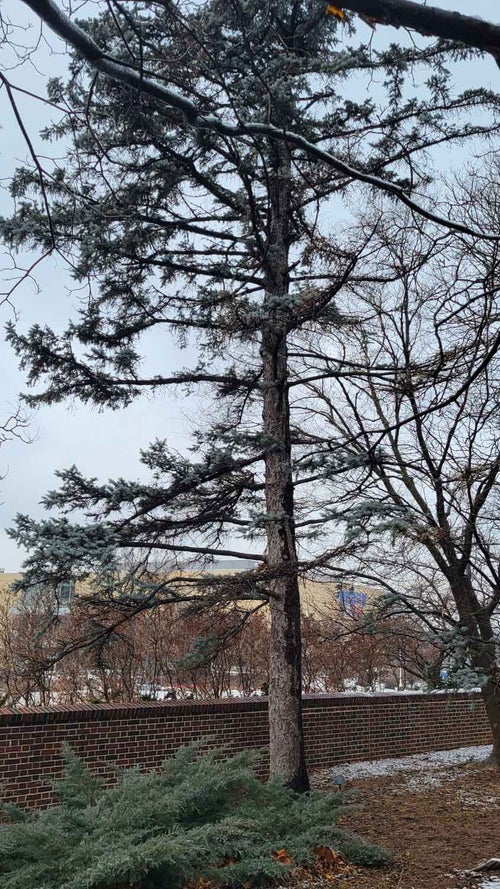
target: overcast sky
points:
(103, 444)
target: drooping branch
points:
(431, 22)
(64, 27)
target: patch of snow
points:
(422, 781)
(475, 799)
(492, 882)
(418, 762)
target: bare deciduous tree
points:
(424, 412)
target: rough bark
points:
(491, 697)
(477, 623)
(285, 675)
(286, 739)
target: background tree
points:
(428, 508)
(165, 653)
(162, 653)
(224, 235)
(342, 649)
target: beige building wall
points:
(7, 597)
(317, 597)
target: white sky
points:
(103, 444)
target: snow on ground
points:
(476, 799)
(425, 769)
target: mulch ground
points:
(435, 833)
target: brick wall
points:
(337, 728)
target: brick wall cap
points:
(22, 715)
(364, 698)
(126, 710)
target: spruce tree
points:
(226, 237)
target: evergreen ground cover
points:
(201, 816)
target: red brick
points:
(336, 728)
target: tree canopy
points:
(207, 192)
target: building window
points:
(66, 592)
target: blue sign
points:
(352, 600)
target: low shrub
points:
(200, 816)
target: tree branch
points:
(431, 21)
(65, 28)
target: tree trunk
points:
(491, 696)
(477, 622)
(285, 675)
